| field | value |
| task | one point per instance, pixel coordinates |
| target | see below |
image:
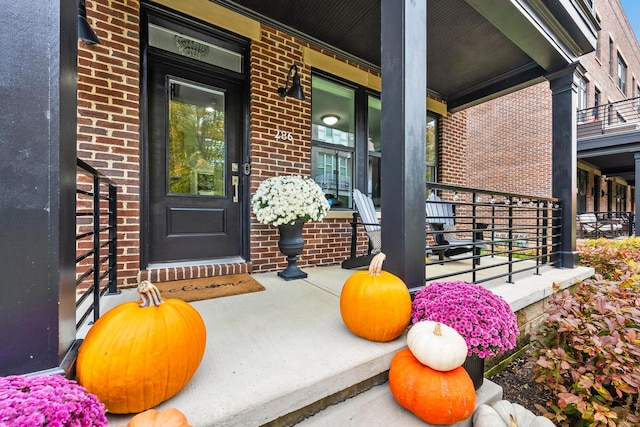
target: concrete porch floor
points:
(278, 351)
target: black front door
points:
(194, 152)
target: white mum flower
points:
(286, 199)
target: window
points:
(621, 198)
(638, 95)
(582, 190)
(611, 57)
(582, 100)
(622, 75)
(596, 104)
(432, 149)
(374, 110)
(347, 153)
(333, 150)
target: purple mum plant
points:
(48, 401)
(484, 319)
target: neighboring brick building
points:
(509, 138)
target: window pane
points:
(331, 100)
(374, 148)
(622, 75)
(333, 170)
(189, 47)
(432, 148)
(196, 140)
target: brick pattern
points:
(192, 271)
(108, 116)
(509, 146)
(452, 156)
(326, 242)
(109, 140)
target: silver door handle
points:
(235, 182)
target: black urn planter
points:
(474, 366)
(291, 244)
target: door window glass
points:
(197, 148)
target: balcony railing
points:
(96, 245)
(509, 233)
(614, 117)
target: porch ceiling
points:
(477, 49)
(613, 154)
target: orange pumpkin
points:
(170, 417)
(433, 396)
(138, 355)
(375, 304)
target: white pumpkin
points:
(436, 345)
(506, 414)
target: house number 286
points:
(282, 135)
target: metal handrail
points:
(96, 240)
(516, 230)
(613, 117)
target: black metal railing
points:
(507, 233)
(96, 241)
(614, 117)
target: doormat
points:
(209, 287)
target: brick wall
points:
(109, 140)
(615, 28)
(108, 116)
(509, 143)
(326, 242)
(452, 155)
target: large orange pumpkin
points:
(433, 396)
(375, 304)
(138, 355)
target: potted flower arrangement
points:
(286, 199)
(48, 400)
(484, 319)
(288, 202)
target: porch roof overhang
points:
(612, 154)
(477, 50)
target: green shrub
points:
(588, 352)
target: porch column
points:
(37, 197)
(636, 157)
(564, 88)
(404, 91)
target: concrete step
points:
(279, 356)
(377, 407)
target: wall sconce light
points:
(330, 119)
(85, 32)
(295, 91)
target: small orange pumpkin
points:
(138, 355)
(169, 417)
(433, 396)
(375, 304)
